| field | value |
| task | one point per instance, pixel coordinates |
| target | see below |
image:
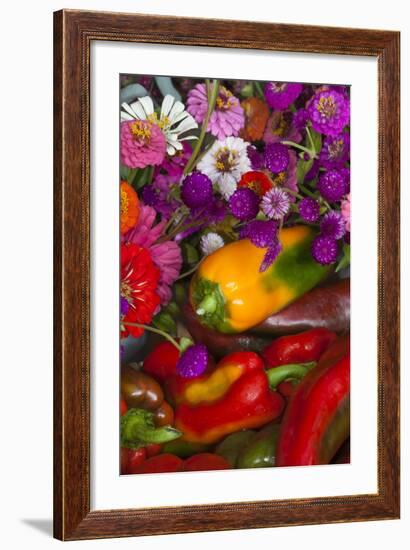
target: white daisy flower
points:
(224, 164)
(173, 119)
(210, 242)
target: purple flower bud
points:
(276, 157)
(193, 361)
(332, 185)
(196, 190)
(309, 209)
(333, 225)
(244, 204)
(261, 233)
(324, 250)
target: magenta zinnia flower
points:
(228, 116)
(335, 151)
(329, 112)
(166, 255)
(142, 144)
(280, 95)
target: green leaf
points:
(345, 259)
(165, 322)
(124, 172)
(190, 253)
(247, 90)
(316, 140)
(302, 169)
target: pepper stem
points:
(208, 305)
(276, 375)
(138, 429)
(156, 331)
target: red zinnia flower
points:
(257, 181)
(139, 281)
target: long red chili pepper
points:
(317, 419)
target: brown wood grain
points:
(73, 33)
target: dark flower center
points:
(225, 159)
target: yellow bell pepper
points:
(230, 294)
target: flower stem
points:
(155, 330)
(259, 90)
(306, 191)
(311, 153)
(188, 273)
(309, 135)
(213, 94)
(294, 193)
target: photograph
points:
(234, 274)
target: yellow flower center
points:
(225, 159)
(225, 99)
(124, 203)
(163, 122)
(327, 106)
(141, 130)
(280, 128)
(279, 179)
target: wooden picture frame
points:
(74, 32)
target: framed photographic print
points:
(226, 275)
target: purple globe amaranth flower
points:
(309, 209)
(332, 225)
(256, 158)
(244, 204)
(196, 190)
(157, 195)
(276, 157)
(345, 172)
(335, 151)
(300, 119)
(271, 255)
(275, 203)
(280, 127)
(332, 185)
(324, 250)
(329, 112)
(279, 95)
(193, 361)
(261, 233)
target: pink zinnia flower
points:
(142, 144)
(228, 116)
(345, 210)
(166, 255)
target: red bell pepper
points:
(317, 418)
(206, 461)
(298, 348)
(236, 394)
(162, 361)
(165, 462)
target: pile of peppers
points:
(286, 404)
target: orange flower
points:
(256, 115)
(130, 207)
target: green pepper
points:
(184, 449)
(233, 444)
(260, 452)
